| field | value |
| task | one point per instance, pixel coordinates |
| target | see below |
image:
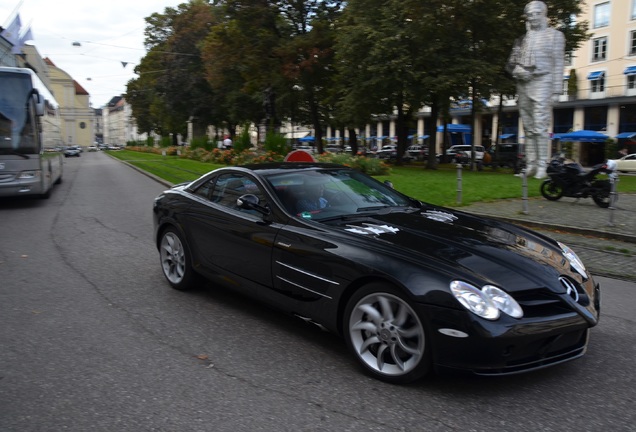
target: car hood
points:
(482, 250)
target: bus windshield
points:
(17, 125)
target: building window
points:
(632, 42)
(601, 15)
(631, 82)
(633, 9)
(599, 49)
(598, 85)
(568, 58)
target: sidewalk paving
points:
(605, 239)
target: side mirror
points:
(388, 183)
(38, 101)
(251, 202)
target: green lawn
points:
(433, 186)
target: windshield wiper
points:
(13, 152)
(371, 208)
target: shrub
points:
(165, 141)
(371, 166)
(243, 141)
(276, 143)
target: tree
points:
(278, 52)
(573, 85)
(173, 71)
(379, 62)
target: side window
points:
(204, 190)
(229, 187)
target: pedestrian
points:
(536, 63)
(227, 142)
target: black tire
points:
(175, 260)
(551, 191)
(386, 335)
(603, 197)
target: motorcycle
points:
(571, 180)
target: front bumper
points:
(461, 340)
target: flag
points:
(27, 36)
(12, 32)
(22, 40)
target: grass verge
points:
(437, 187)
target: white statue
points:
(536, 63)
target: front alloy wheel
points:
(551, 190)
(386, 335)
(175, 261)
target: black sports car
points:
(410, 286)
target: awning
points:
(293, 135)
(423, 137)
(455, 128)
(582, 136)
(596, 75)
(507, 136)
(307, 139)
(626, 135)
(630, 70)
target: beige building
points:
(75, 111)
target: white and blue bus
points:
(31, 160)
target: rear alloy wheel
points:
(386, 335)
(603, 196)
(175, 261)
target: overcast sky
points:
(110, 32)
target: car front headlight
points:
(573, 259)
(487, 302)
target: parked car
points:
(308, 149)
(462, 153)
(333, 149)
(418, 152)
(511, 155)
(389, 152)
(410, 286)
(72, 151)
(92, 148)
(626, 163)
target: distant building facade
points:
(119, 126)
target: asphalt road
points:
(93, 339)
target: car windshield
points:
(17, 130)
(334, 193)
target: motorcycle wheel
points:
(602, 197)
(551, 191)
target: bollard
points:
(524, 193)
(459, 183)
(613, 197)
